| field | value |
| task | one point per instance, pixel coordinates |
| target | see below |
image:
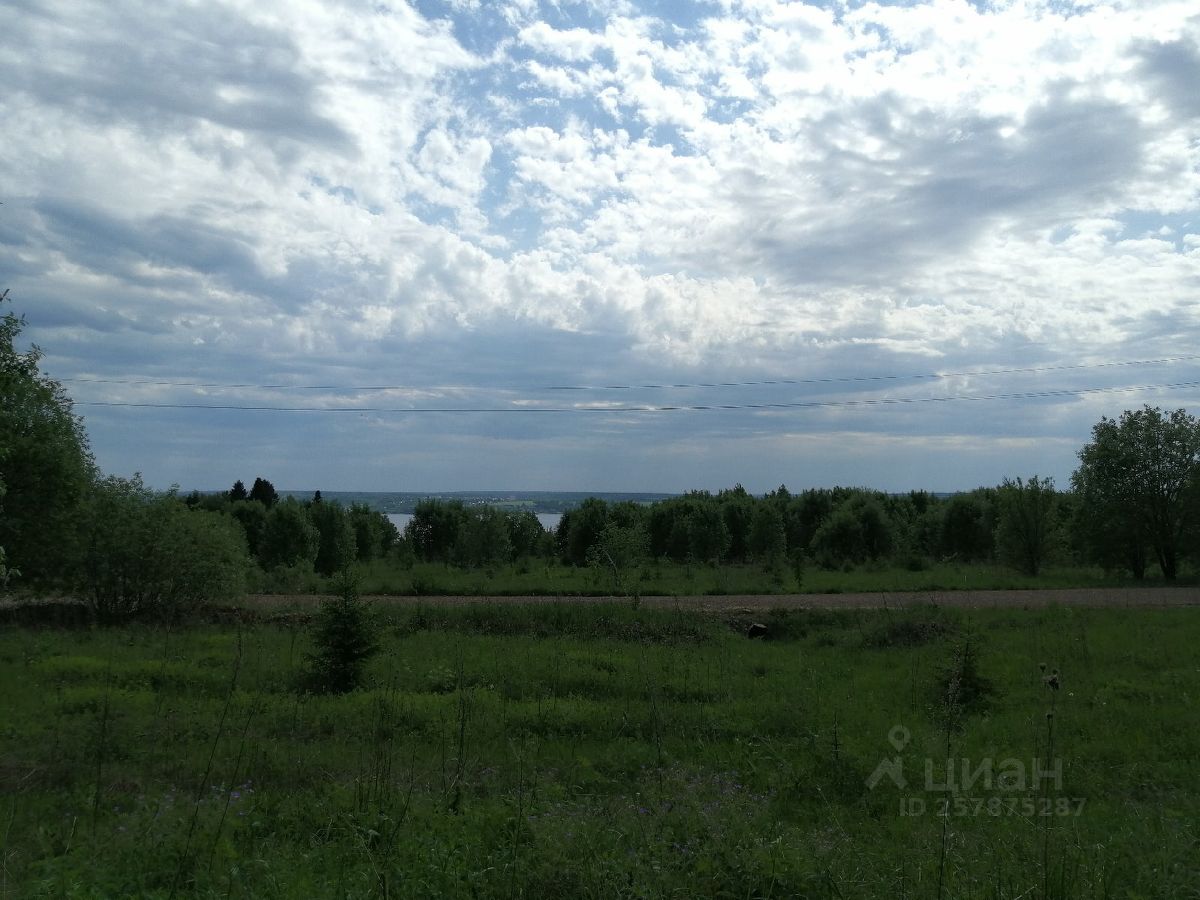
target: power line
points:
(848, 379)
(800, 404)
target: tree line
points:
(125, 549)
(1133, 504)
(312, 535)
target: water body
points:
(549, 520)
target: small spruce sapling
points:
(343, 641)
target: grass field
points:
(540, 578)
(607, 751)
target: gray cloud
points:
(194, 195)
(165, 67)
(1173, 67)
(940, 183)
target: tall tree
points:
(264, 492)
(288, 537)
(1143, 469)
(708, 536)
(967, 527)
(336, 542)
(580, 528)
(1026, 534)
(238, 491)
(374, 533)
(618, 549)
(484, 537)
(434, 529)
(768, 541)
(45, 464)
(525, 533)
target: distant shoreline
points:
(534, 501)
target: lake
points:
(549, 520)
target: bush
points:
(138, 552)
(960, 686)
(343, 639)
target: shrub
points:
(907, 631)
(138, 552)
(343, 641)
(961, 687)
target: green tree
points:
(967, 527)
(617, 550)
(737, 509)
(839, 540)
(526, 534)
(878, 529)
(1141, 471)
(45, 464)
(374, 533)
(434, 529)
(7, 573)
(252, 516)
(580, 528)
(858, 529)
(336, 543)
(803, 517)
(238, 492)
(1103, 532)
(343, 636)
(289, 538)
(1026, 533)
(264, 492)
(666, 525)
(708, 536)
(140, 553)
(768, 541)
(483, 539)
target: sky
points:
(469, 245)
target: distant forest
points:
(1132, 507)
(534, 501)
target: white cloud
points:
(934, 181)
(572, 44)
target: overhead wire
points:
(845, 379)
(799, 404)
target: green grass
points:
(541, 578)
(600, 751)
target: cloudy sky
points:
(385, 211)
